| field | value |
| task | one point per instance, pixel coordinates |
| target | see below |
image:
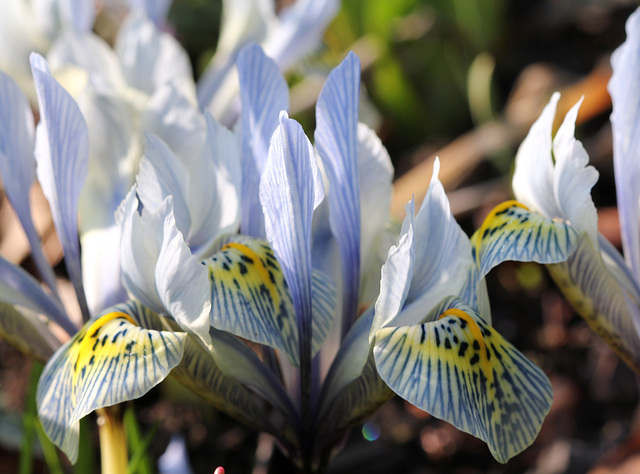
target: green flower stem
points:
(113, 440)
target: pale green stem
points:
(113, 441)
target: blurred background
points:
(464, 80)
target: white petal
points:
(533, 176)
(624, 88)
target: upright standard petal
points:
(264, 94)
(376, 176)
(624, 88)
(158, 267)
(289, 192)
(533, 176)
(299, 30)
(336, 140)
(18, 166)
(77, 14)
(458, 368)
(156, 10)
(243, 21)
(574, 178)
(149, 57)
(113, 359)
(62, 154)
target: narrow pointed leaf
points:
(511, 232)
(111, 360)
(461, 370)
(250, 298)
(600, 300)
(62, 154)
(336, 140)
(264, 94)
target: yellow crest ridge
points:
(85, 349)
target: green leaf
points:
(139, 459)
(109, 361)
(29, 422)
(461, 370)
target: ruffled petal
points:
(264, 94)
(62, 155)
(461, 370)
(533, 176)
(624, 88)
(110, 361)
(573, 178)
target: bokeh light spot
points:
(371, 431)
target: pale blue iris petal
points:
(156, 10)
(18, 287)
(299, 30)
(264, 93)
(140, 244)
(18, 166)
(600, 298)
(214, 191)
(336, 140)
(573, 178)
(242, 21)
(101, 267)
(397, 273)
(108, 362)
(443, 256)
(288, 195)
(625, 119)
(350, 359)
(533, 176)
(324, 302)
(172, 115)
(148, 56)
(78, 14)
(163, 174)
(62, 152)
(459, 369)
(376, 175)
(90, 53)
(182, 282)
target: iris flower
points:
(553, 178)
(274, 325)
